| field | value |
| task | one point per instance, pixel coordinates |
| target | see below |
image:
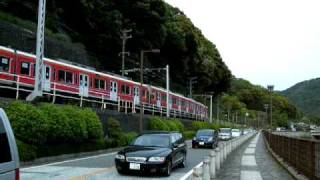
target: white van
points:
(9, 157)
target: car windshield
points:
(158, 140)
(204, 133)
(235, 130)
(224, 130)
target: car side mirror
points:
(175, 145)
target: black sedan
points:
(153, 152)
(205, 138)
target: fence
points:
(301, 154)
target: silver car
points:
(9, 157)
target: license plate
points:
(134, 166)
(201, 143)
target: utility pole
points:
(210, 109)
(266, 106)
(218, 109)
(40, 50)
(124, 38)
(192, 81)
(141, 84)
(270, 89)
(168, 86)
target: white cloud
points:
(264, 41)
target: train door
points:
(136, 97)
(84, 85)
(47, 78)
(113, 91)
(158, 99)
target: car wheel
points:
(213, 146)
(168, 169)
(183, 163)
(120, 171)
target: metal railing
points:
(302, 154)
(94, 97)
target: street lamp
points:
(245, 118)
(192, 81)
(270, 89)
(141, 84)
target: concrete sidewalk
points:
(252, 161)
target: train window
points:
(25, 68)
(69, 77)
(99, 84)
(125, 89)
(174, 101)
(65, 77)
(4, 64)
(164, 97)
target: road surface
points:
(102, 167)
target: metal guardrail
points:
(301, 154)
(211, 165)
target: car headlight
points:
(194, 138)
(119, 156)
(210, 139)
(157, 159)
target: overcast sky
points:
(264, 41)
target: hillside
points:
(93, 28)
(88, 32)
(244, 97)
(306, 96)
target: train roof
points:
(93, 70)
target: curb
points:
(285, 165)
(64, 157)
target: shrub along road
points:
(101, 167)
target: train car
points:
(17, 67)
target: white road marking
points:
(252, 145)
(252, 175)
(190, 172)
(248, 160)
(72, 160)
(250, 151)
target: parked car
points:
(205, 138)
(153, 152)
(225, 134)
(9, 157)
(235, 133)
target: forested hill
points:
(96, 26)
(244, 97)
(306, 96)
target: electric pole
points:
(40, 51)
(123, 53)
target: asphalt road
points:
(102, 167)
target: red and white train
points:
(68, 78)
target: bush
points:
(113, 128)
(26, 152)
(171, 125)
(94, 125)
(179, 125)
(77, 122)
(28, 123)
(157, 123)
(189, 134)
(58, 124)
